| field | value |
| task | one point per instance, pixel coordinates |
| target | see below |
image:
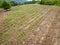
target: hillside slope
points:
(31, 24)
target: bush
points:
(5, 5)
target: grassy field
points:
(31, 24)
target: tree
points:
(5, 5)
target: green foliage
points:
(38, 1)
(30, 2)
(50, 2)
(58, 2)
(20, 3)
(5, 5)
(0, 4)
(14, 3)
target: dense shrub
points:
(5, 5)
(50, 2)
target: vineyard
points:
(30, 24)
